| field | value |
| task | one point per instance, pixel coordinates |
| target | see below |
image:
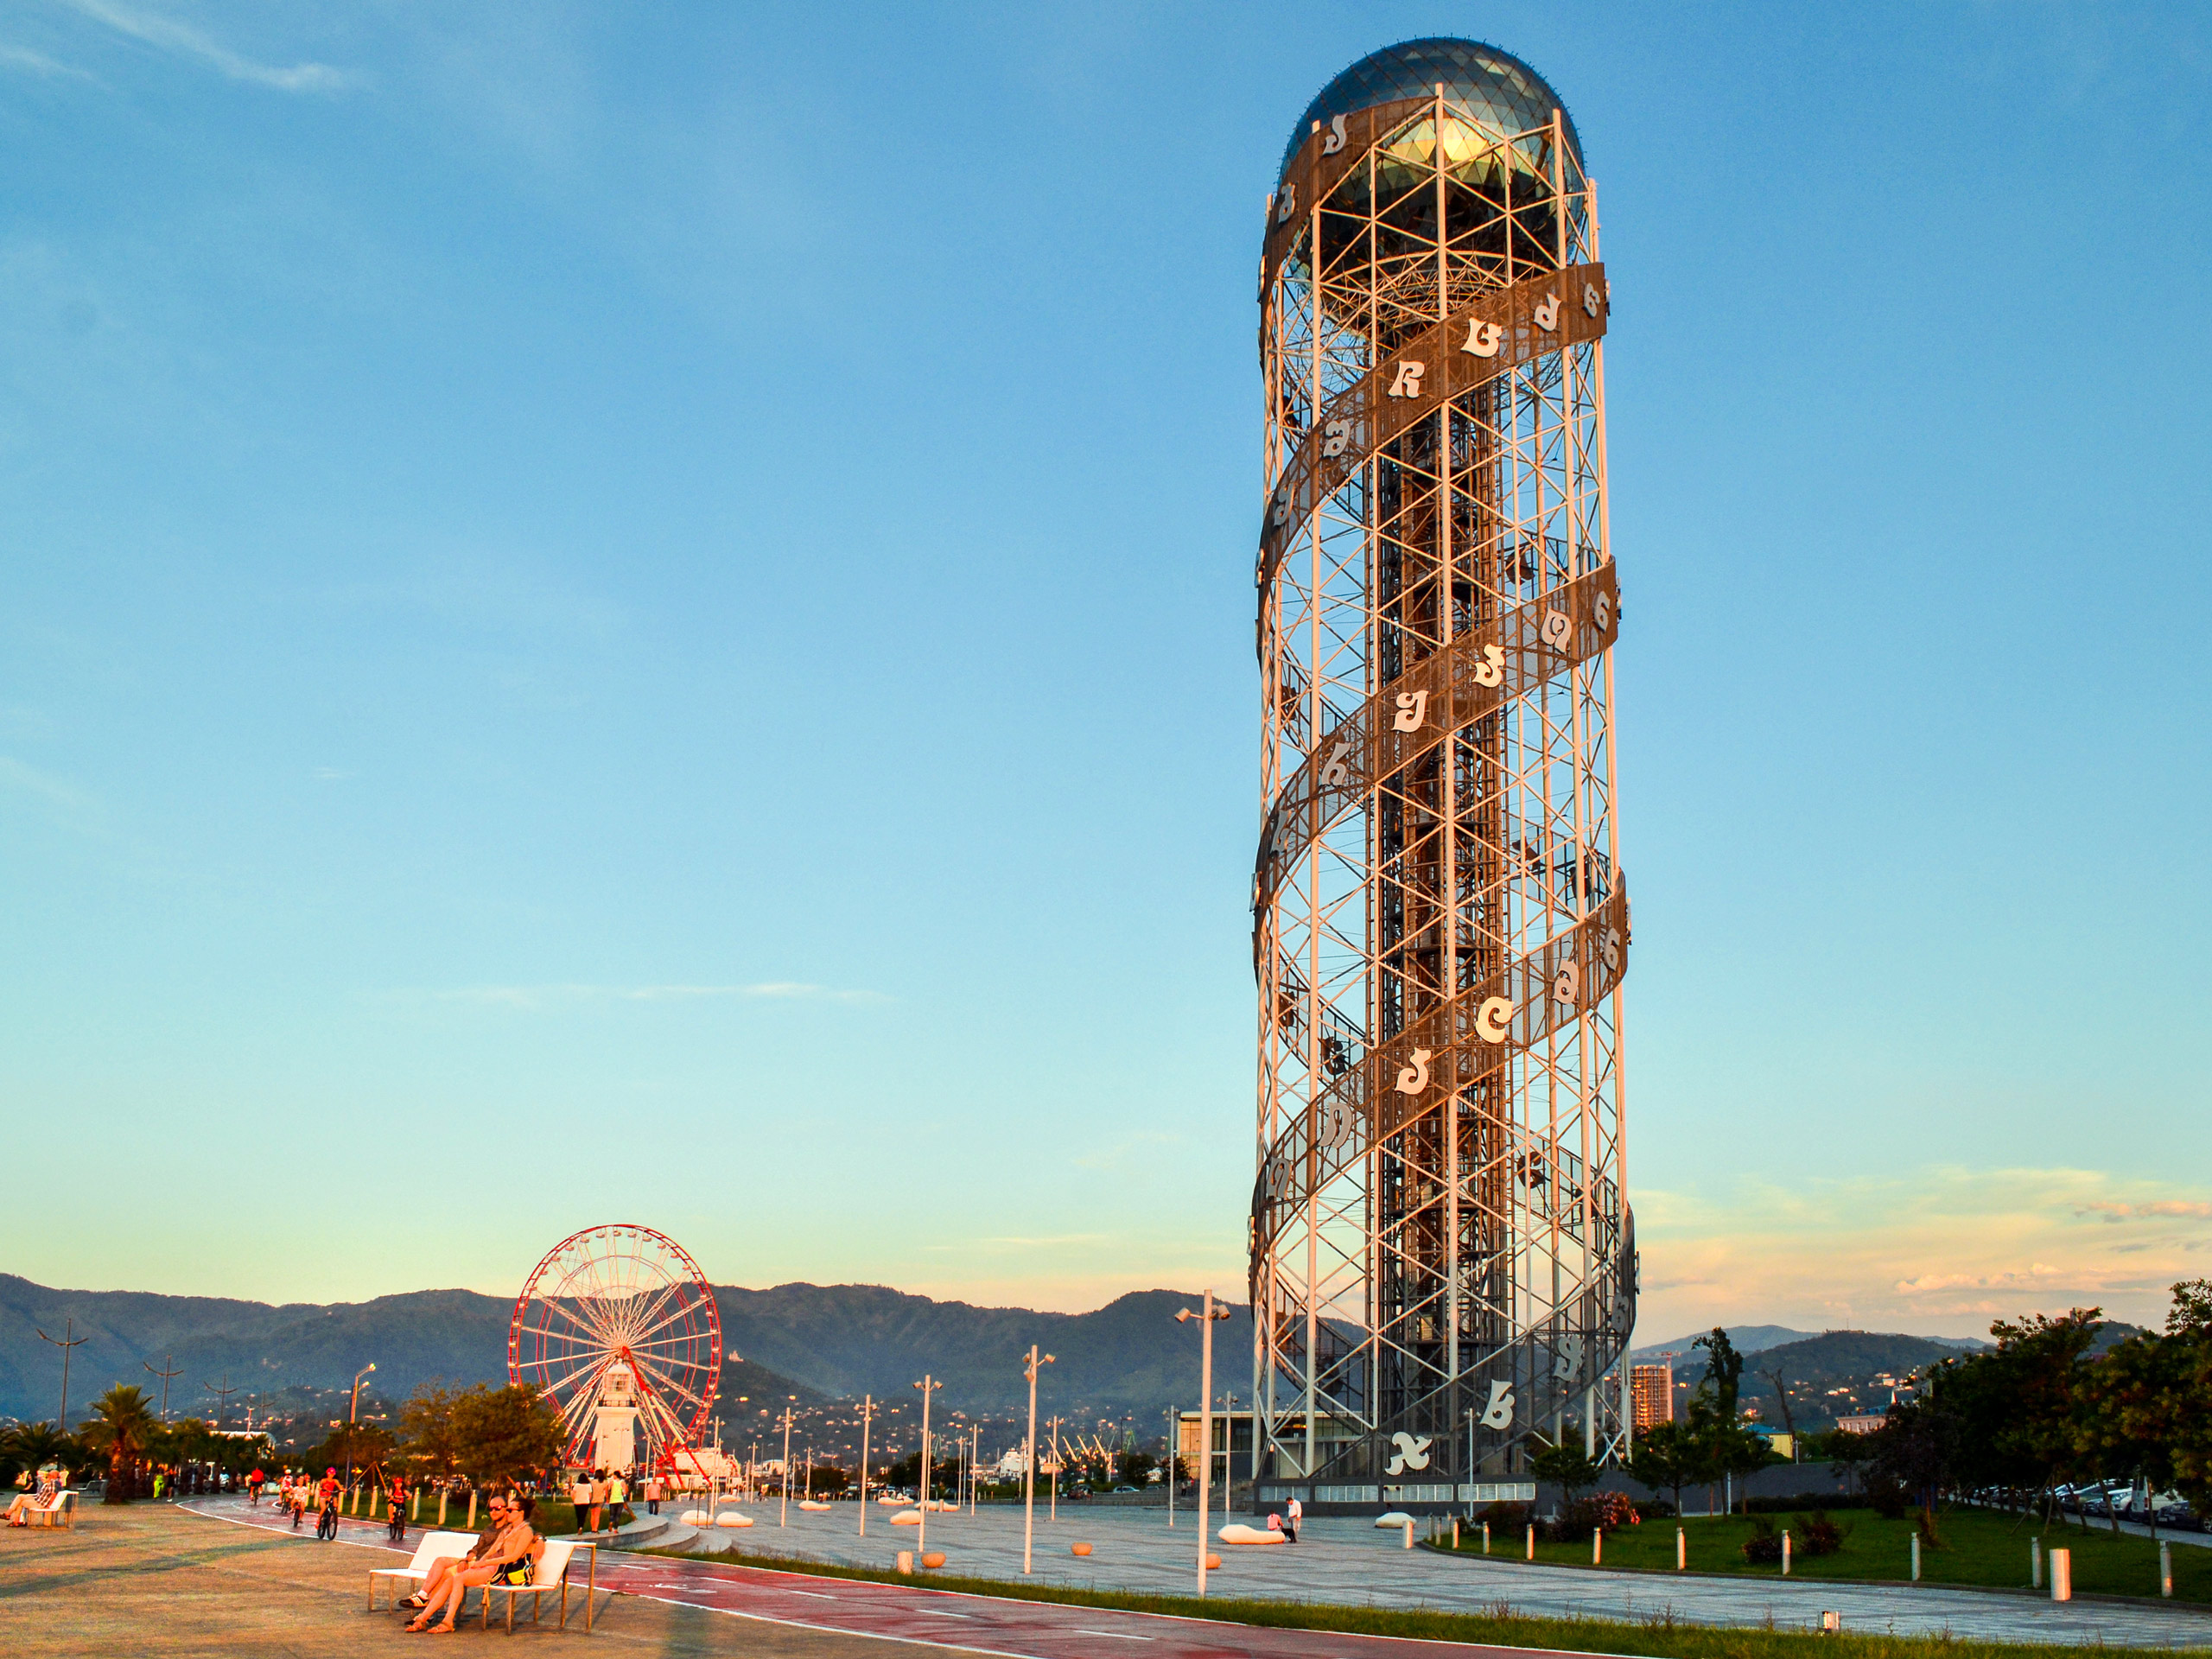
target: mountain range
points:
(827, 1340)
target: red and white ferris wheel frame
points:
(621, 1321)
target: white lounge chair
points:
(59, 1510)
(552, 1574)
(435, 1547)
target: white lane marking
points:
(1118, 1636)
(817, 1596)
(285, 1532)
(939, 1612)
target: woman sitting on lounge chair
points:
(511, 1561)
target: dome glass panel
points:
(1497, 88)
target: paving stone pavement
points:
(1349, 1561)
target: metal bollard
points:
(1532, 1541)
(2035, 1563)
(1455, 1533)
(906, 1562)
(1682, 1551)
(1916, 1558)
(2165, 1569)
(1597, 1546)
(1485, 1537)
(2061, 1576)
(1409, 1534)
(1785, 1552)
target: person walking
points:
(1290, 1521)
(598, 1494)
(652, 1494)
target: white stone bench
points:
(434, 1547)
(551, 1574)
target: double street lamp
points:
(1206, 1422)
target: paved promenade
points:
(212, 1577)
(1349, 1561)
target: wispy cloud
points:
(2164, 1208)
(1930, 1249)
(168, 35)
(30, 780)
(36, 63)
(2036, 1274)
(532, 997)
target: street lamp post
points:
(867, 1414)
(1029, 1458)
(1171, 1468)
(783, 1514)
(1205, 1418)
(164, 1375)
(1054, 1514)
(223, 1393)
(928, 1388)
(353, 1417)
(76, 1341)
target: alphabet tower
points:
(1443, 1257)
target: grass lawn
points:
(1980, 1547)
(1657, 1638)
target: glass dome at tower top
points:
(1500, 89)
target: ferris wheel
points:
(619, 1314)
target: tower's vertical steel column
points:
(1443, 1262)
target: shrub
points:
(1507, 1517)
(1817, 1535)
(1765, 1543)
(1888, 1499)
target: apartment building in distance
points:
(1651, 1395)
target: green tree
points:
(2012, 1409)
(431, 1441)
(1666, 1458)
(1917, 1449)
(503, 1434)
(1849, 1451)
(1724, 1370)
(121, 1430)
(33, 1445)
(1567, 1466)
(2189, 1324)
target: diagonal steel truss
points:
(1443, 1257)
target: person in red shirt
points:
(253, 1483)
(327, 1490)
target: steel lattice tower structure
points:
(1442, 1254)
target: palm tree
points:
(122, 1428)
(32, 1446)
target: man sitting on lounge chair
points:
(511, 1560)
(19, 1509)
(446, 1566)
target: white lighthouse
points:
(615, 1430)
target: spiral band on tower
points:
(1442, 1253)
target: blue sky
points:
(645, 613)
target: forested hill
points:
(833, 1340)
